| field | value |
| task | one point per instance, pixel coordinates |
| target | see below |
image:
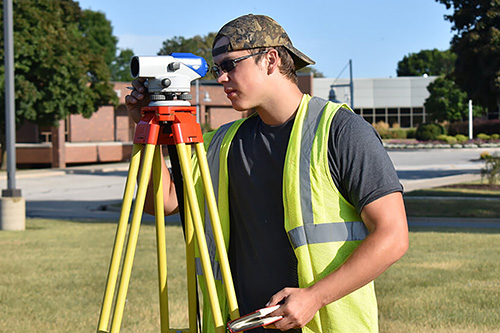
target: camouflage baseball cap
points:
(255, 31)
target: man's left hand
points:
(299, 305)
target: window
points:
(405, 121)
(393, 119)
(368, 118)
(417, 119)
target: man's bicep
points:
(387, 212)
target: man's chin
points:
(239, 107)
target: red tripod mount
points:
(182, 128)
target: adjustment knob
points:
(158, 97)
(166, 83)
(185, 97)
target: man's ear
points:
(273, 61)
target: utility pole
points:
(12, 204)
(332, 97)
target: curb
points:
(86, 169)
(399, 146)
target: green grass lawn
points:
(453, 202)
(53, 276)
(449, 281)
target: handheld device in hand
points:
(254, 319)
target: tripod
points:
(176, 127)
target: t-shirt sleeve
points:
(361, 168)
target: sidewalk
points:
(49, 194)
(408, 184)
(419, 184)
(83, 169)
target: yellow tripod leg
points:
(185, 163)
(190, 262)
(161, 245)
(217, 230)
(191, 272)
(133, 236)
(120, 239)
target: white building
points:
(392, 100)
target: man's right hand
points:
(137, 99)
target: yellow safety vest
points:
(323, 227)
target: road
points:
(417, 169)
(87, 192)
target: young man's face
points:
(245, 83)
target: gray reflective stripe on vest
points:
(213, 160)
(311, 233)
(327, 232)
(309, 128)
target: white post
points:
(471, 136)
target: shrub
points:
(426, 132)
(479, 126)
(447, 138)
(483, 136)
(487, 126)
(484, 155)
(442, 137)
(383, 129)
(461, 138)
(397, 133)
(491, 170)
(451, 139)
(411, 133)
(495, 136)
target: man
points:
(314, 206)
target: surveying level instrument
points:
(170, 120)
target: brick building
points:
(107, 136)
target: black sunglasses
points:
(228, 65)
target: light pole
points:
(471, 134)
(12, 204)
(205, 99)
(332, 96)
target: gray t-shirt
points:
(261, 257)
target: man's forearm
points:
(387, 242)
(370, 259)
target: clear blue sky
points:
(374, 34)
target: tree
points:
(477, 45)
(448, 102)
(430, 62)
(120, 66)
(312, 70)
(60, 55)
(202, 46)
(99, 34)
